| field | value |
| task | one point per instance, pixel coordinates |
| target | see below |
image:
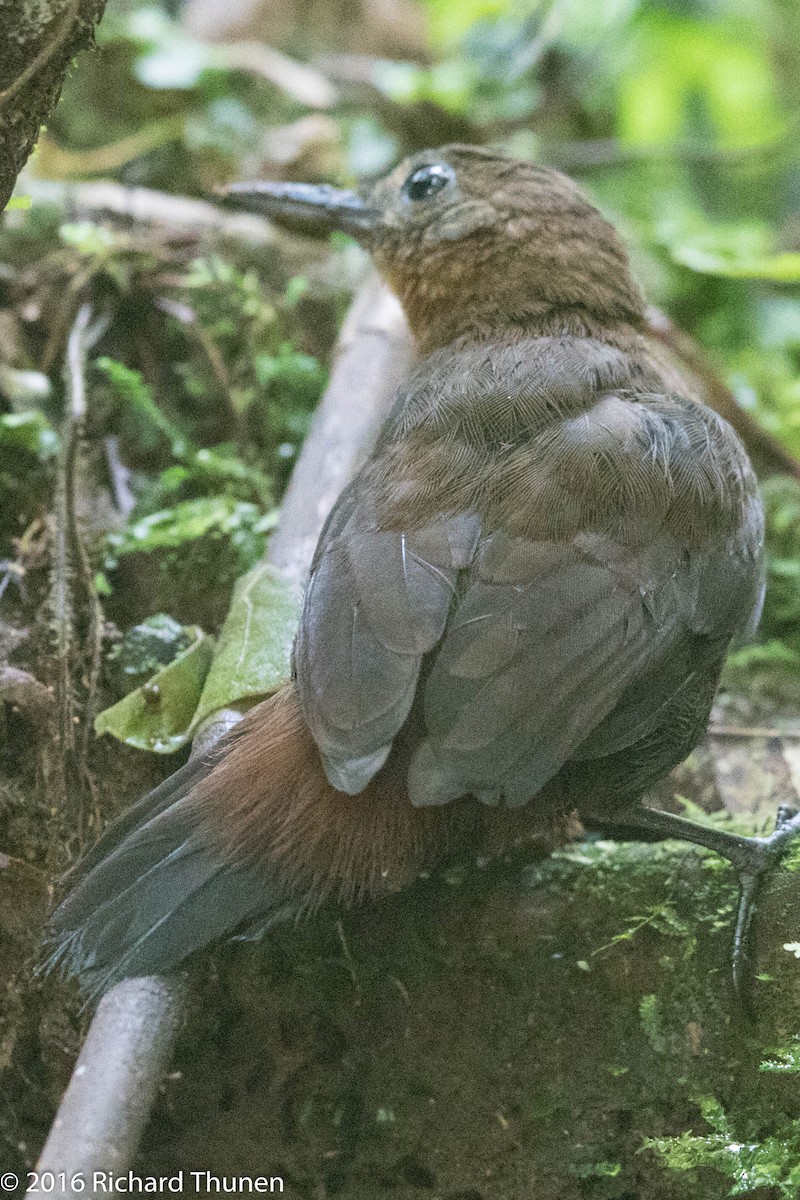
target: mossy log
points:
(493, 1034)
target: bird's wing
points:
(558, 650)
(588, 542)
(376, 603)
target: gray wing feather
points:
(567, 630)
(377, 602)
(540, 650)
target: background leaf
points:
(158, 715)
(254, 651)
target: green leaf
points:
(186, 522)
(780, 268)
(785, 1060)
(30, 432)
(253, 656)
(449, 22)
(158, 715)
(135, 396)
(147, 648)
(681, 64)
(90, 239)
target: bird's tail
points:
(229, 845)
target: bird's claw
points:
(752, 857)
(760, 857)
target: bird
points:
(517, 612)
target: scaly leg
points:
(753, 858)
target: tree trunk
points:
(38, 40)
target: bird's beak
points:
(307, 207)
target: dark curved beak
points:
(306, 207)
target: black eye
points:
(427, 181)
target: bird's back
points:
(544, 561)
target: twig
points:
(80, 340)
(130, 1040)
(305, 84)
(66, 315)
(62, 598)
(751, 731)
(373, 354)
(120, 477)
(602, 153)
(63, 164)
(148, 207)
(71, 562)
(188, 318)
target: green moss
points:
(784, 1060)
(740, 1156)
(652, 1022)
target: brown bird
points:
(517, 613)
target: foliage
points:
(748, 1161)
(157, 716)
(785, 1060)
(782, 504)
(256, 641)
(252, 660)
(147, 647)
(680, 119)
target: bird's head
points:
(472, 241)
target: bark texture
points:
(38, 40)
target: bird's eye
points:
(427, 181)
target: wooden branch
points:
(108, 1100)
(130, 1040)
(373, 355)
(303, 83)
(146, 206)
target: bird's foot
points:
(752, 857)
(756, 862)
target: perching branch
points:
(146, 206)
(129, 1044)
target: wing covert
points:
(545, 641)
(560, 555)
(378, 600)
